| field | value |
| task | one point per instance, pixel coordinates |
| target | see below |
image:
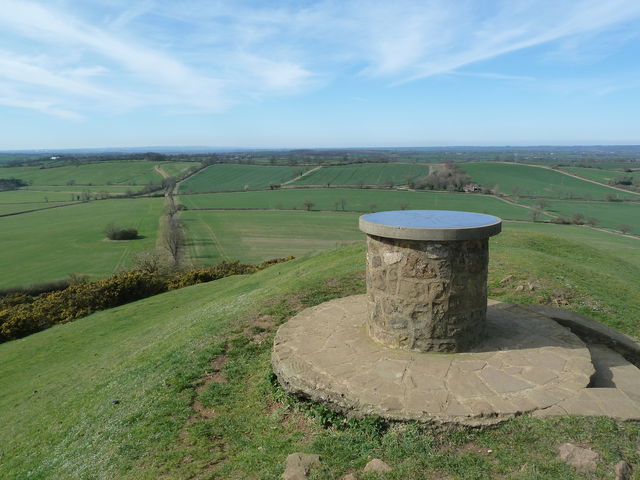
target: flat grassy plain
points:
(51, 244)
(609, 214)
(603, 176)
(232, 177)
(28, 196)
(367, 173)
(112, 395)
(512, 179)
(255, 236)
(122, 189)
(357, 200)
(99, 173)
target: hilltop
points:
(180, 386)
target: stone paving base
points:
(528, 363)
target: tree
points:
(535, 213)
(624, 228)
(308, 204)
(404, 206)
(343, 203)
(543, 203)
(174, 238)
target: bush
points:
(116, 233)
(22, 314)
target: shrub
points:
(22, 314)
(116, 233)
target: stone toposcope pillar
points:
(427, 278)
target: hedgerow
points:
(21, 314)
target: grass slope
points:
(101, 173)
(26, 196)
(190, 371)
(230, 177)
(603, 176)
(50, 244)
(367, 173)
(359, 200)
(537, 181)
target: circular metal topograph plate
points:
(430, 225)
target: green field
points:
(28, 196)
(608, 214)
(51, 244)
(602, 176)
(177, 169)
(365, 174)
(214, 236)
(537, 181)
(121, 189)
(357, 200)
(100, 173)
(112, 395)
(232, 177)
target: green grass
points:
(27, 196)
(100, 173)
(176, 169)
(214, 236)
(367, 173)
(83, 188)
(57, 387)
(23, 207)
(608, 214)
(358, 200)
(51, 244)
(602, 176)
(231, 177)
(536, 181)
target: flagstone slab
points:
(526, 362)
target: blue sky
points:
(108, 73)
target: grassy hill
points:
(178, 386)
(102, 173)
(365, 174)
(537, 181)
(232, 177)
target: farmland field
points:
(365, 173)
(175, 169)
(100, 173)
(115, 189)
(607, 214)
(256, 236)
(358, 200)
(536, 181)
(51, 244)
(27, 196)
(602, 176)
(232, 177)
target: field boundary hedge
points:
(22, 314)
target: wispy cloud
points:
(203, 56)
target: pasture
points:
(98, 173)
(608, 214)
(365, 174)
(525, 180)
(255, 236)
(51, 244)
(233, 177)
(29, 196)
(357, 200)
(602, 176)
